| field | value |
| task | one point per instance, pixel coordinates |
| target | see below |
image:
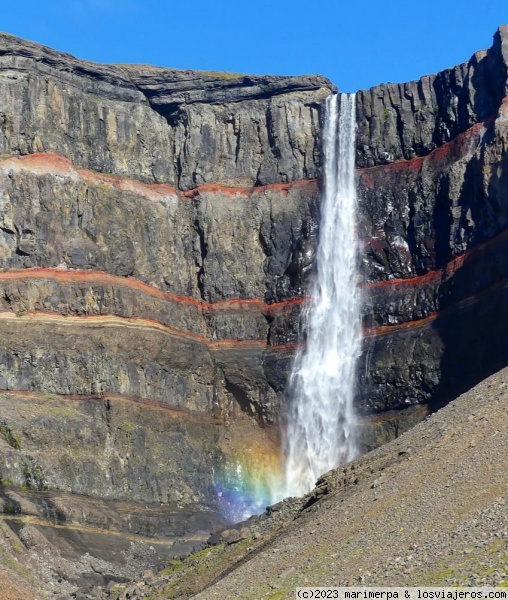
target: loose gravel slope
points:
(430, 508)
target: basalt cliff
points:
(157, 234)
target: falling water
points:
(320, 430)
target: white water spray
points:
(320, 430)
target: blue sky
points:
(355, 44)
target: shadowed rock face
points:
(157, 235)
(434, 228)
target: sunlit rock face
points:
(157, 236)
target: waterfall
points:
(320, 431)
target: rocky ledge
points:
(159, 125)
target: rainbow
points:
(248, 481)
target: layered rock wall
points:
(159, 125)
(157, 234)
(433, 188)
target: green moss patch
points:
(10, 436)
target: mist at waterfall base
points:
(245, 488)
(319, 430)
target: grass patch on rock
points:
(10, 436)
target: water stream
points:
(320, 430)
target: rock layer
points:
(159, 125)
(157, 236)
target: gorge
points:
(158, 230)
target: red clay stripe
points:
(49, 162)
(41, 316)
(249, 191)
(456, 149)
(104, 396)
(101, 277)
(381, 330)
(450, 268)
(227, 344)
(172, 408)
(449, 310)
(453, 148)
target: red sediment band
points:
(47, 163)
(225, 345)
(284, 188)
(439, 158)
(102, 321)
(258, 346)
(422, 280)
(380, 330)
(232, 344)
(41, 316)
(445, 312)
(438, 275)
(103, 278)
(172, 409)
(99, 277)
(454, 150)
(116, 396)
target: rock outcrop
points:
(434, 229)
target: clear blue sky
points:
(356, 44)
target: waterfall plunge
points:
(320, 429)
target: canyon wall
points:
(156, 232)
(433, 184)
(157, 235)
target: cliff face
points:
(189, 200)
(157, 233)
(158, 125)
(433, 187)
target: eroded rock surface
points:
(159, 125)
(157, 237)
